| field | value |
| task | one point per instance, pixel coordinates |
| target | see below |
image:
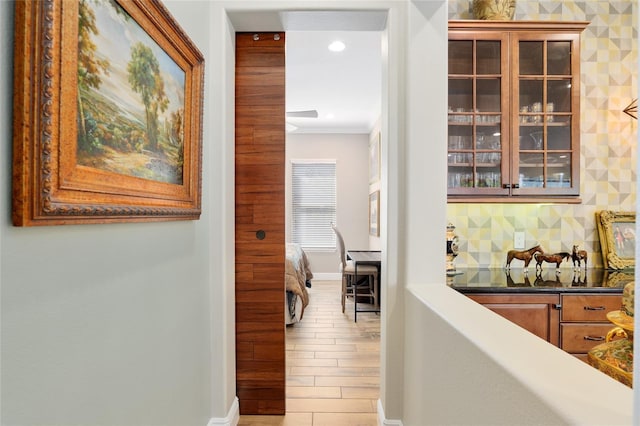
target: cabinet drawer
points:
(589, 307)
(579, 338)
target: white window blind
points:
(313, 210)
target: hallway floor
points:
(333, 365)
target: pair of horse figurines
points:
(540, 256)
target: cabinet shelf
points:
(548, 123)
(479, 165)
(540, 165)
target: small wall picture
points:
(374, 214)
(617, 232)
(374, 158)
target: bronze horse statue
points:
(578, 256)
(525, 255)
(556, 258)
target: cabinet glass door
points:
(543, 162)
(475, 119)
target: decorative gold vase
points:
(615, 357)
(494, 10)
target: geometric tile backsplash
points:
(608, 141)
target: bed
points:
(297, 277)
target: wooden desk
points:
(359, 258)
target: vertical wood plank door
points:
(260, 222)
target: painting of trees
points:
(108, 99)
(145, 79)
(130, 97)
(89, 68)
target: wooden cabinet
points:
(514, 110)
(535, 313)
(573, 322)
(583, 321)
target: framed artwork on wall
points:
(107, 126)
(374, 214)
(617, 232)
(374, 159)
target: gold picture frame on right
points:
(617, 232)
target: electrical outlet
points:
(518, 240)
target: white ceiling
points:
(346, 84)
(344, 87)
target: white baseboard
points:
(386, 422)
(326, 276)
(231, 419)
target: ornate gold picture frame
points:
(107, 116)
(617, 232)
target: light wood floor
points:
(333, 365)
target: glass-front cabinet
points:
(514, 110)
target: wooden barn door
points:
(260, 222)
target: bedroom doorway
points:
(260, 340)
(343, 91)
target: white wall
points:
(351, 153)
(112, 324)
(482, 369)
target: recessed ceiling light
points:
(337, 46)
(330, 116)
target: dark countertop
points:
(499, 280)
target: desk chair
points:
(365, 272)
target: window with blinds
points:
(313, 205)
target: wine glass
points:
(537, 140)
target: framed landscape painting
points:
(374, 214)
(617, 232)
(107, 114)
(374, 159)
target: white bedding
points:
(297, 274)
